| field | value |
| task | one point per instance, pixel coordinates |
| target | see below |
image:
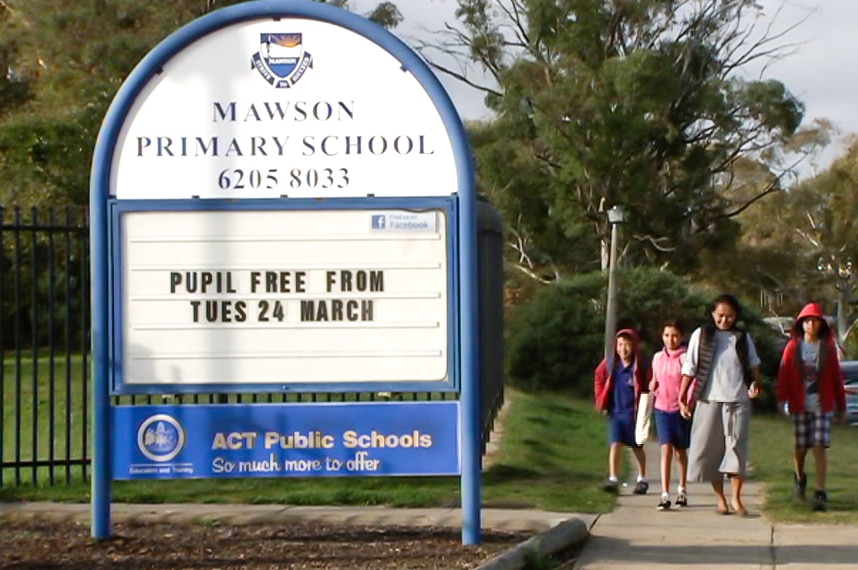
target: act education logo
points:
(161, 438)
(281, 59)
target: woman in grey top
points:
(723, 360)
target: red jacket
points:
(832, 395)
(604, 383)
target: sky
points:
(818, 71)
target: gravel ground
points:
(45, 544)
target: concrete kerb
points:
(563, 536)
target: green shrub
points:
(555, 340)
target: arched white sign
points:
(283, 107)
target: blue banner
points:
(286, 440)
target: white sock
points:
(681, 490)
(612, 478)
(665, 496)
(641, 478)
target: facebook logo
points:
(379, 222)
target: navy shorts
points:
(622, 429)
(673, 429)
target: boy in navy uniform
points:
(617, 391)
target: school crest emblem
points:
(281, 59)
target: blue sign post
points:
(283, 200)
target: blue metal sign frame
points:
(103, 240)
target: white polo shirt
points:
(727, 381)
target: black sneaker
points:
(800, 487)
(641, 488)
(682, 500)
(820, 501)
(611, 486)
(664, 504)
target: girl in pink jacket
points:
(674, 431)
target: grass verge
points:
(772, 459)
(552, 457)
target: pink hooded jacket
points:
(667, 370)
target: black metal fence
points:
(44, 334)
(44, 324)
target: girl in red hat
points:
(810, 388)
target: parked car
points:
(852, 411)
(850, 371)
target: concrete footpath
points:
(232, 514)
(635, 536)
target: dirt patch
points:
(46, 544)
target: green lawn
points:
(33, 392)
(771, 457)
(46, 408)
(552, 457)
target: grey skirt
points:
(719, 440)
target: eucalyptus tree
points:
(642, 104)
(824, 215)
(64, 62)
(770, 260)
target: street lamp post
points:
(616, 216)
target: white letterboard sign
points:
(245, 297)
